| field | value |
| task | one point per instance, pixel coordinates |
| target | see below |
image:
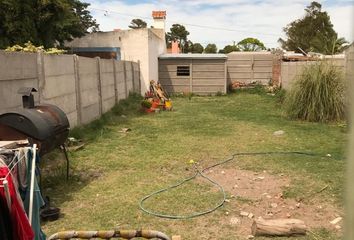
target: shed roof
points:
(193, 56)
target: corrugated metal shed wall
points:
(207, 76)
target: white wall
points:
(138, 45)
(144, 46)
(157, 46)
(98, 39)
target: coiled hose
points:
(201, 173)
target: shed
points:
(195, 73)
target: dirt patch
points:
(260, 195)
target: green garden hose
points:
(201, 173)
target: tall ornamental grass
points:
(317, 94)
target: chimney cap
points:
(158, 14)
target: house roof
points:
(159, 14)
(193, 56)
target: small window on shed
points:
(182, 70)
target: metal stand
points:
(67, 160)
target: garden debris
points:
(279, 196)
(77, 147)
(74, 144)
(278, 133)
(242, 85)
(124, 130)
(234, 221)
(244, 214)
(13, 144)
(258, 178)
(274, 205)
(336, 220)
(156, 99)
(278, 227)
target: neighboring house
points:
(140, 45)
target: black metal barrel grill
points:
(45, 124)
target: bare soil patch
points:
(260, 195)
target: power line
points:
(187, 24)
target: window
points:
(182, 70)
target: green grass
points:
(115, 170)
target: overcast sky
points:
(222, 21)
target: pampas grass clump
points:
(317, 94)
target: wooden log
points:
(278, 227)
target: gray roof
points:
(193, 56)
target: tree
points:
(137, 23)
(250, 45)
(229, 48)
(210, 48)
(313, 32)
(197, 48)
(46, 23)
(178, 33)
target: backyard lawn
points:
(115, 170)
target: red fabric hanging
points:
(21, 228)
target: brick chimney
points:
(175, 47)
(159, 19)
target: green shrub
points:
(29, 47)
(317, 94)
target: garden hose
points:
(201, 173)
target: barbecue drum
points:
(45, 124)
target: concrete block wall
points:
(88, 79)
(16, 70)
(129, 75)
(107, 84)
(57, 86)
(84, 88)
(290, 70)
(121, 91)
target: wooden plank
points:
(13, 144)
